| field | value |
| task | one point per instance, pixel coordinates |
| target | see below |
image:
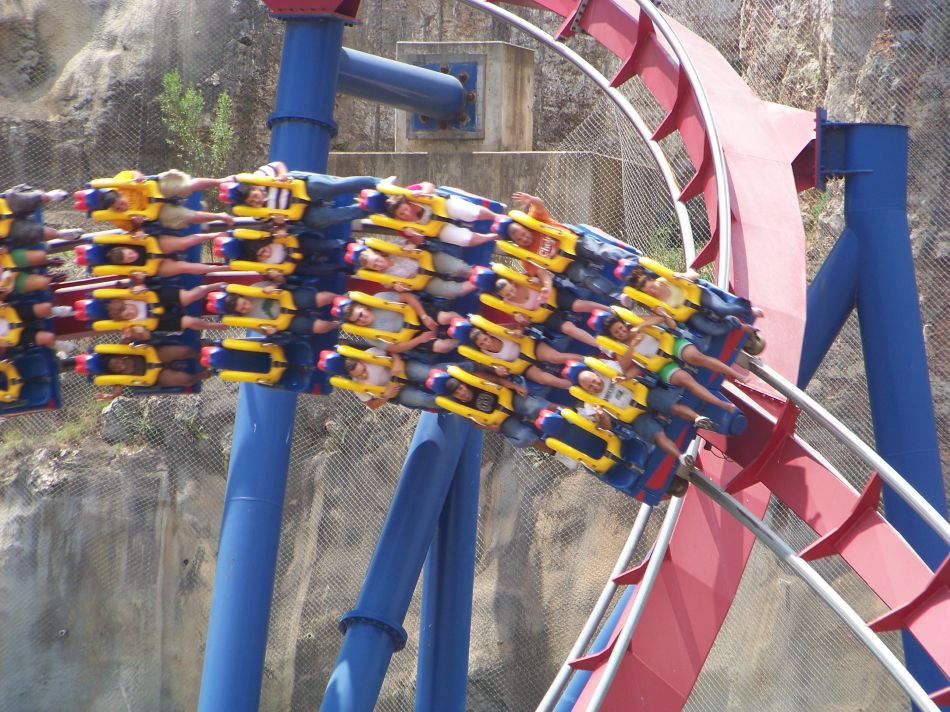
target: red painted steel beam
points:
(344, 9)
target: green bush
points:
(201, 142)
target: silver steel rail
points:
(640, 598)
(621, 102)
(821, 587)
(551, 697)
(712, 135)
(864, 451)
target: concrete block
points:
(502, 78)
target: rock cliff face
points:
(108, 534)
(79, 88)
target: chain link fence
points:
(109, 517)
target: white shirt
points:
(403, 267)
(375, 375)
(141, 309)
(509, 351)
(277, 198)
(648, 346)
(277, 254)
(615, 394)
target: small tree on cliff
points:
(201, 141)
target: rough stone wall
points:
(107, 549)
(79, 88)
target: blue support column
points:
(302, 127)
(894, 356)
(373, 630)
(403, 86)
(873, 160)
(832, 295)
(447, 584)
(575, 687)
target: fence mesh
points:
(109, 517)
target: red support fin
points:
(830, 543)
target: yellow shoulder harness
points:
(282, 296)
(149, 298)
(652, 363)
(278, 362)
(503, 408)
(10, 392)
(299, 200)
(430, 228)
(537, 315)
(422, 257)
(526, 344)
(148, 243)
(362, 355)
(692, 291)
(143, 196)
(153, 365)
(6, 218)
(14, 325)
(566, 241)
(636, 389)
(291, 245)
(611, 454)
(410, 327)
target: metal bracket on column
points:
(831, 155)
(469, 123)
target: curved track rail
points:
(892, 664)
(689, 88)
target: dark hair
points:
(451, 386)
(252, 247)
(107, 197)
(393, 202)
(475, 331)
(347, 311)
(350, 363)
(500, 283)
(609, 322)
(230, 303)
(241, 191)
(115, 255)
(138, 360)
(115, 307)
(638, 275)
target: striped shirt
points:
(277, 198)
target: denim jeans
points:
(323, 188)
(604, 253)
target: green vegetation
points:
(201, 141)
(18, 437)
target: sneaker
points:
(704, 423)
(755, 344)
(66, 348)
(57, 277)
(63, 311)
(57, 196)
(677, 487)
(70, 233)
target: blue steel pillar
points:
(373, 630)
(572, 693)
(873, 159)
(832, 296)
(447, 583)
(302, 126)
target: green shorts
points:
(20, 258)
(666, 373)
(19, 282)
(678, 346)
